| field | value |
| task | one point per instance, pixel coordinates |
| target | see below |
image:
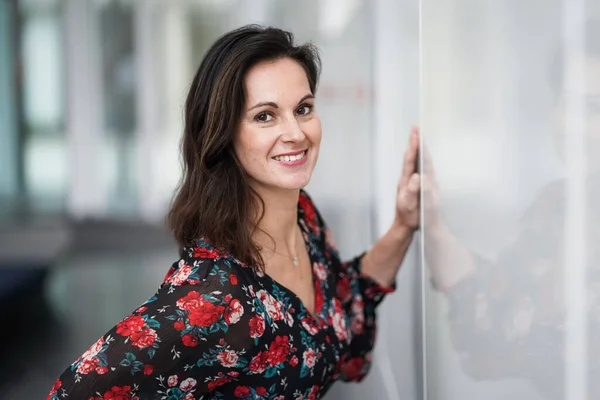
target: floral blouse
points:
(216, 329)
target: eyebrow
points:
(274, 105)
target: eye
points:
(264, 117)
(304, 109)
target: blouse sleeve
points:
(193, 335)
(359, 296)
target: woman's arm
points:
(383, 261)
(192, 336)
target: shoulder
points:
(203, 265)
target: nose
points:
(292, 131)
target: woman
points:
(259, 305)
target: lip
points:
(294, 153)
(294, 163)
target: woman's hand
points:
(408, 199)
(408, 196)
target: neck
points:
(280, 220)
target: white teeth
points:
(290, 158)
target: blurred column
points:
(8, 127)
(88, 191)
(147, 26)
(163, 43)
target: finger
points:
(409, 196)
(410, 156)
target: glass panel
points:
(510, 121)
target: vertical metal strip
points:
(422, 243)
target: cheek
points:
(249, 151)
(313, 131)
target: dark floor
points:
(107, 271)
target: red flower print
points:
(141, 309)
(88, 366)
(190, 301)
(272, 305)
(233, 374)
(310, 326)
(310, 214)
(257, 326)
(353, 367)
(319, 299)
(118, 393)
(169, 274)
(241, 392)
(179, 325)
(309, 358)
(294, 361)
(358, 321)
(261, 391)
(189, 396)
(201, 252)
(228, 358)
(190, 340)
(187, 384)
(181, 275)
(212, 385)
(228, 298)
(148, 369)
(93, 350)
(337, 320)
(233, 279)
(206, 314)
(101, 370)
(131, 325)
(313, 393)
(234, 312)
(259, 362)
(279, 350)
(320, 271)
(55, 388)
(343, 289)
(144, 338)
(172, 381)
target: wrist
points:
(400, 232)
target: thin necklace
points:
(293, 257)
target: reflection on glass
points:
(521, 294)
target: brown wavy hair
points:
(214, 199)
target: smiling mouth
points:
(290, 158)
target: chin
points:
(295, 185)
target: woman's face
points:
(279, 135)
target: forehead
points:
(280, 78)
